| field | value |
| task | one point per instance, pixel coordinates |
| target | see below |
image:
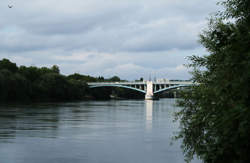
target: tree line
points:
(26, 84)
(34, 84)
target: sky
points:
(127, 38)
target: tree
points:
(27, 84)
(55, 69)
(54, 86)
(114, 79)
(32, 73)
(6, 64)
(77, 89)
(215, 115)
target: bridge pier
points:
(149, 92)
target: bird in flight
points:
(10, 6)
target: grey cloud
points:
(103, 36)
(111, 25)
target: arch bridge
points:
(149, 88)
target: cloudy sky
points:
(128, 38)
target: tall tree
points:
(215, 115)
(55, 69)
(6, 64)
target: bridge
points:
(149, 88)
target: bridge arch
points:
(169, 88)
(120, 86)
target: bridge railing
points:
(117, 83)
(141, 83)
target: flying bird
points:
(10, 6)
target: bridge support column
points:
(149, 92)
(175, 94)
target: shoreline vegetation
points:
(33, 84)
(21, 84)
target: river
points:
(125, 131)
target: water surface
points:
(126, 131)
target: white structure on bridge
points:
(148, 87)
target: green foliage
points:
(6, 64)
(127, 93)
(215, 118)
(55, 69)
(85, 78)
(102, 93)
(114, 79)
(77, 89)
(13, 86)
(54, 86)
(26, 84)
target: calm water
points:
(90, 132)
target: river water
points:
(126, 131)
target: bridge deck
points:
(148, 87)
(141, 83)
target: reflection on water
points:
(30, 121)
(91, 132)
(149, 110)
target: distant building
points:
(162, 80)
